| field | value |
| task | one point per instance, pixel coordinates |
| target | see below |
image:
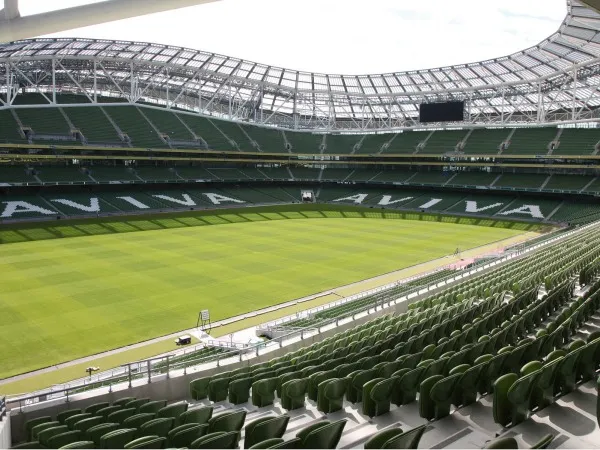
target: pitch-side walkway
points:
(327, 296)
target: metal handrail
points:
(3, 410)
(120, 375)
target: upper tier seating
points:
(406, 142)
(531, 141)
(486, 141)
(578, 141)
(94, 125)
(132, 122)
(442, 142)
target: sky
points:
(339, 36)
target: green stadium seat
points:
(93, 409)
(105, 412)
(409, 439)
(511, 443)
(28, 445)
(62, 439)
(174, 410)
(199, 388)
(31, 423)
(227, 421)
(45, 435)
(330, 397)
(147, 442)
(377, 396)
(201, 415)
(35, 430)
(95, 433)
(184, 435)
(293, 393)
(137, 420)
(218, 389)
(123, 401)
(120, 416)
(221, 439)
(265, 428)
(379, 439)
(239, 390)
(157, 427)
(136, 403)
(269, 443)
(72, 420)
(118, 438)
(62, 416)
(152, 407)
(324, 437)
(80, 445)
(86, 424)
(263, 392)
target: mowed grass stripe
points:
(67, 298)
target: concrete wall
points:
(5, 432)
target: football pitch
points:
(63, 299)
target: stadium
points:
(202, 251)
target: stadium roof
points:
(553, 81)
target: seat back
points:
(326, 437)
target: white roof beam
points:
(15, 28)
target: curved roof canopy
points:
(553, 81)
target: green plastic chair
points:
(406, 389)
(326, 437)
(330, 397)
(183, 437)
(566, 376)
(137, 420)
(105, 412)
(269, 443)
(408, 439)
(86, 424)
(293, 394)
(30, 424)
(28, 445)
(147, 442)
(199, 415)
(121, 415)
(511, 400)
(228, 421)
(217, 440)
(46, 434)
(290, 443)
(199, 388)
(443, 394)
(137, 403)
(377, 396)
(543, 391)
(62, 416)
(96, 432)
(157, 427)
(355, 383)
(467, 386)
(589, 361)
(315, 380)
(263, 392)
(62, 439)
(379, 439)
(93, 409)
(174, 411)
(152, 407)
(218, 389)
(427, 408)
(80, 445)
(35, 431)
(118, 438)
(265, 428)
(72, 420)
(239, 390)
(123, 401)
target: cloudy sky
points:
(340, 36)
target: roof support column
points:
(53, 80)
(574, 94)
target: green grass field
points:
(66, 298)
